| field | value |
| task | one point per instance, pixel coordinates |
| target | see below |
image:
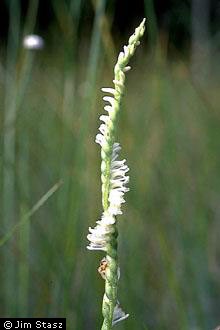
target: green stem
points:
(106, 183)
(111, 282)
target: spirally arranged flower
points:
(100, 235)
(114, 179)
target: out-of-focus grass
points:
(169, 130)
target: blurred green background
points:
(169, 128)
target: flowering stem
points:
(111, 282)
(114, 180)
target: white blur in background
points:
(33, 42)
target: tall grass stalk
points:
(26, 62)
(76, 187)
(114, 185)
(10, 113)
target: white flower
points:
(118, 169)
(118, 314)
(118, 182)
(100, 235)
